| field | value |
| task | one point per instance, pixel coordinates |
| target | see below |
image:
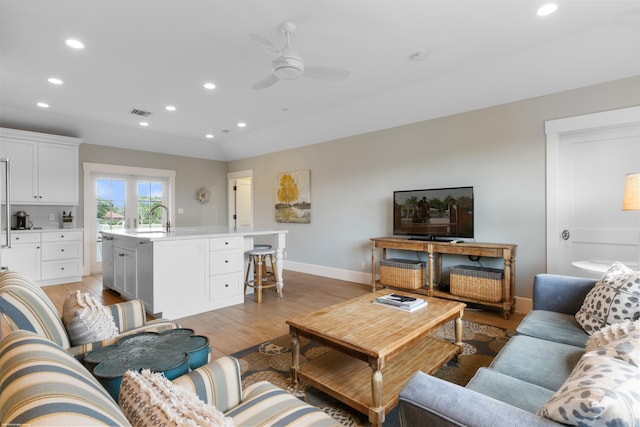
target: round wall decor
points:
(202, 195)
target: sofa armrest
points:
(43, 385)
(427, 400)
(216, 383)
(128, 314)
(562, 294)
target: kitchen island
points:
(185, 271)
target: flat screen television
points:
(434, 214)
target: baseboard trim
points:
(523, 305)
(331, 272)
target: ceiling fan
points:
(288, 65)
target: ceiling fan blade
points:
(325, 73)
(265, 44)
(270, 80)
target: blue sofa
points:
(523, 376)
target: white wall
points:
(498, 150)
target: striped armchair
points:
(24, 305)
(42, 384)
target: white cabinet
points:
(24, 254)
(61, 256)
(125, 268)
(44, 168)
(107, 262)
(176, 277)
(46, 257)
(226, 258)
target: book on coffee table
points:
(401, 302)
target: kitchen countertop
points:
(39, 230)
(181, 233)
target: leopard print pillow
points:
(615, 298)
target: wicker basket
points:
(480, 283)
(402, 273)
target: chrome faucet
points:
(168, 225)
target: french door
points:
(119, 197)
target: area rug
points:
(271, 361)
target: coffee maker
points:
(22, 221)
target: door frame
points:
(89, 195)
(232, 177)
(555, 130)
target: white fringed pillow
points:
(148, 398)
(86, 319)
(615, 298)
(611, 333)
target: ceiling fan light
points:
(287, 73)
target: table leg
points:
(295, 356)
(280, 262)
(458, 332)
(376, 410)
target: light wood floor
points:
(235, 328)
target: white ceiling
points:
(146, 54)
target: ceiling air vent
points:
(142, 113)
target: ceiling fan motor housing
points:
(287, 68)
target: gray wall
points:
(191, 174)
(498, 150)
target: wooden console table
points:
(435, 249)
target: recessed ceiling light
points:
(547, 9)
(170, 108)
(54, 80)
(209, 86)
(209, 136)
(242, 125)
(144, 124)
(76, 44)
(42, 105)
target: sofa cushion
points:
(44, 385)
(86, 319)
(507, 389)
(599, 391)
(148, 398)
(265, 404)
(553, 326)
(543, 363)
(615, 298)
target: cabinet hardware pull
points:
(226, 243)
(61, 250)
(226, 285)
(226, 261)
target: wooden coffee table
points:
(372, 343)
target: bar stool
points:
(258, 257)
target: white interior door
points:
(588, 158)
(240, 203)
